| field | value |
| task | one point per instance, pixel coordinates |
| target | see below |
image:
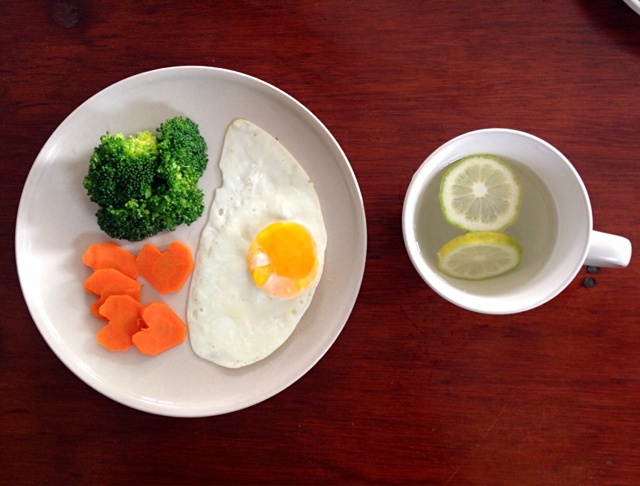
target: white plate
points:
(634, 4)
(56, 224)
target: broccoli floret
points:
(163, 211)
(183, 152)
(132, 222)
(122, 168)
(145, 206)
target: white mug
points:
(554, 228)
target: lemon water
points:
(535, 229)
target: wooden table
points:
(415, 390)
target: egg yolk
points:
(282, 259)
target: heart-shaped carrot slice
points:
(164, 329)
(166, 272)
(123, 313)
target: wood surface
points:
(414, 390)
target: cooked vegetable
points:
(122, 168)
(101, 280)
(131, 291)
(110, 255)
(123, 314)
(183, 151)
(166, 272)
(106, 282)
(164, 329)
(153, 328)
(147, 184)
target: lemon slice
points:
(479, 255)
(480, 193)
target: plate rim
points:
(634, 5)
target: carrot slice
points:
(110, 255)
(166, 272)
(123, 313)
(132, 291)
(164, 329)
(106, 282)
(101, 279)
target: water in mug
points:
(536, 228)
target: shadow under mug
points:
(555, 226)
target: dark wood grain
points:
(415, 390)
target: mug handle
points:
(607, 250)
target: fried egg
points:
(261, 252)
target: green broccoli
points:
(182, 150)
(148, 184)
(122, 168)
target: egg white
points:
(231, 321)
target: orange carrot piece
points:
(99, 280)
(109, 281)
(130, 289)
(164, 329)
(166, 272)
(123, 313)
(110, 255)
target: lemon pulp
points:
(480, 193)
(479, 255)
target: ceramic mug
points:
(554, 228)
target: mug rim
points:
(481, 304)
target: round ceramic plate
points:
(56, 224)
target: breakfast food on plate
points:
(261, 253)
(152, 328)
(166, 271)
(480, 193)
(144, 184)
(123, 315)
(105, 282)
(110, 255)
(162, 329)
